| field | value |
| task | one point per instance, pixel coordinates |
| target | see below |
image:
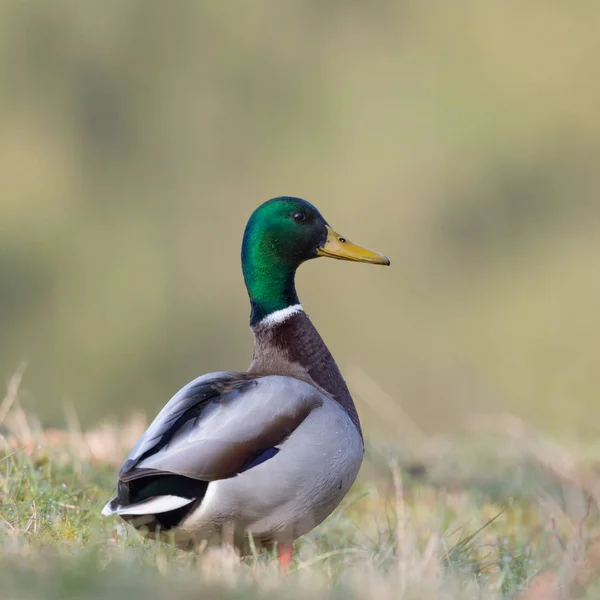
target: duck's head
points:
(280, 235)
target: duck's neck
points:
(271, 294)
(269, 280)
(287, 343)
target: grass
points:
(500, 513)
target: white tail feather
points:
(152, 506)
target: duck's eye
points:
(299, 217)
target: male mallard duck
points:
(269, 452)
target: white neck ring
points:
(279, 316)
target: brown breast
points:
(295, 348)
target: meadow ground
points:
(497, 512)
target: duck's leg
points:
(285, 553)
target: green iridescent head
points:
(280, 235)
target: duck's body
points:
(224, 424)
(269, 452)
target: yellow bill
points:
(337, 246)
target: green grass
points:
(487, 517)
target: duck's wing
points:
(215, 427)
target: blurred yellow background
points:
(460, 138)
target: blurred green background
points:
(460, 138)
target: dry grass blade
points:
(12, 392)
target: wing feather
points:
(219, 423)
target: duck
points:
(255, 459)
